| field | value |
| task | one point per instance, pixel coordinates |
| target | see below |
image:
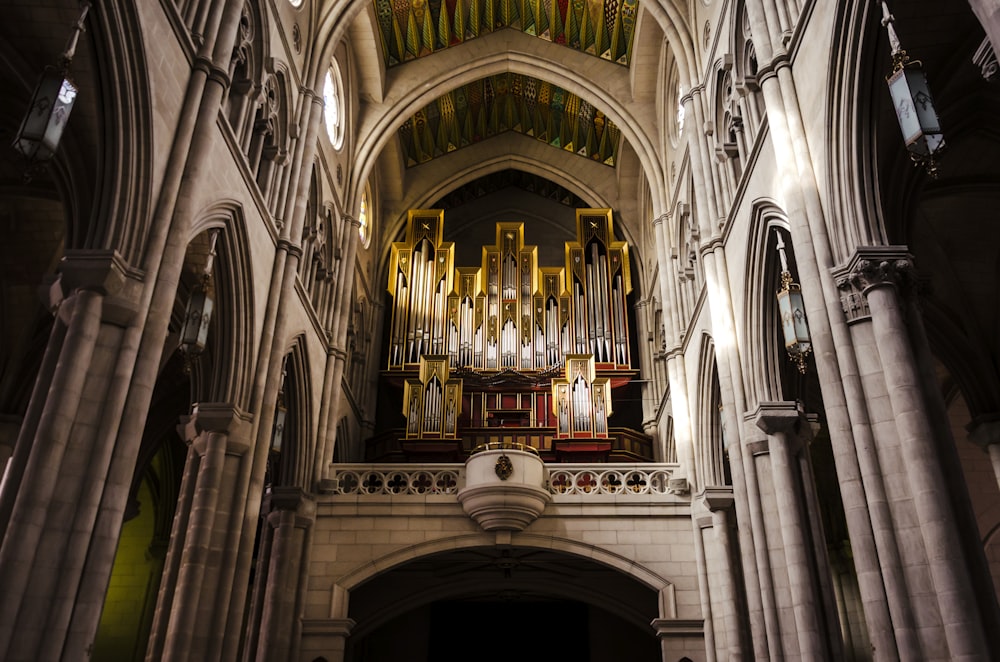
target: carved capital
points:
(293, 501)
(776, 417)
(222, 418)
(104, 272)
(875, 266)
(717, 498)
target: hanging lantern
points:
(278, 435)
(194, 333)
(792, 311)
(911, 97)
(50, 106)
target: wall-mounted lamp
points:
(792, 310)
(50, 106)
(194, 333)
(911, 97)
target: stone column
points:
(719, 500)
(327, 637)
(985, 433)
(714, 646)
(9, 426)
(879, 272)
(755, 544)
(194, 627)
(680, 638)
(781, 421)
(292, 515)
(49, 490)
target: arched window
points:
(333, 100)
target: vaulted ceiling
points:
(493, 105)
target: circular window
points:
(333, 106)
(364, 228)
(295, 3)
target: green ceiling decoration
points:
(414, 28)
(509, 102)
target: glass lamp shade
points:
(793, 323)
(49, 110)
(279, 428)
(194, 335)
(915, 111)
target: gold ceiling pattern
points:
(413, 28)
(509, 102)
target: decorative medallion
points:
(504, 467)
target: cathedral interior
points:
(368, 330)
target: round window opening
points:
(333, 110)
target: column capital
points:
(874, 266)
(776, 417)
(222, 418)
(717, 497)
(338, 627)
(678, 627)
(105, 272)
(984, 431)
(293, 500)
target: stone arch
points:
(661, 588)
(762, 331)
(628, 566)
(296, 453)
(232, 320)
(708, 433)
(457, 71)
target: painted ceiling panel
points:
(413, 28)
(509, 102)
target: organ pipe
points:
(509, 313)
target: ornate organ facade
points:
(510, 350)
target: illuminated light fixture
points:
(280, 414)
(792, 310)
(911, 97)
(50, 106)
(194, 333)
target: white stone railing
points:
(360, 480)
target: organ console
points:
(511, 343)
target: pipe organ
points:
(581, 401)
(538, 347)
(433, 401)
(509, 313)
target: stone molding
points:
(717, 497)
(678, 627)
(102, 271)
(222, 418)
(870, 267)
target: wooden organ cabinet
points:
(509, 352)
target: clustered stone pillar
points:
(719, 550)
(51, 492)
(327, 637)
(782, 422)
(882, 275)
(273, 633)
(187, 621)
